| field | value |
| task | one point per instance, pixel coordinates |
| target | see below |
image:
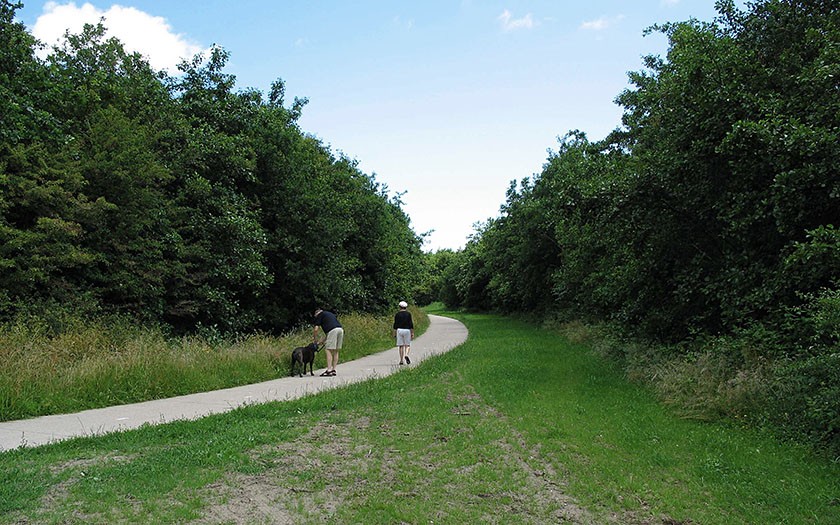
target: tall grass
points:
(732, 378)
(706, 383)
(76, 364)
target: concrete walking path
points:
(443, 334)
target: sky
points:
(443, 101)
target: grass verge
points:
(90, 364)
(515, 426)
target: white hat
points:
(403, 304)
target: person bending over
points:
(333, 336)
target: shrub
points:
(805, 400)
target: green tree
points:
(734, 133)
(711, 213)
(180, 199)
(40, 185)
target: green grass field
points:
(515, 426)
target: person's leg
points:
(329, 362)
(331, 350)
(406, 342)
(402, 341)
(339, 342)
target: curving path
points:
(443, 334)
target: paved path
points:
(443, 334)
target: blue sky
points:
(447, 101)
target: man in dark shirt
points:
(404, 332)
(333, 336)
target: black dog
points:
(304, 355)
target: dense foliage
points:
(179, 200)
(711, 213)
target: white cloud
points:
(510, 24)
(601, 23)
(404, 24)
(151, 36)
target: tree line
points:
(179, 200)
(708, 219)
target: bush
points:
(805, 400)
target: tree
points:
(40, 201)
(734, 132)
(180, 200)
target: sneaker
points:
(407, 360)
(401, 363)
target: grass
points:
(515, 426)
(90, 364)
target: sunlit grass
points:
(517, 425)
(624, 450)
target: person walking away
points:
(404, 332)
(333, 337)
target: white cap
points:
(403, 304)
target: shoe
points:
(407, 360)
(401, 363)
(332, 373)
(326, 373)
